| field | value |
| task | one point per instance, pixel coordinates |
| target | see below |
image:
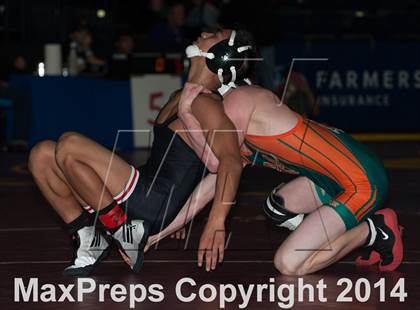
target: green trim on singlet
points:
(374, 167)
(348, 218)
(357, 163)
(331, 186)
(372, 193)
(376, 174)
(303, 154)
(327, 200)
(323, 196)
(325, 182)
(326, 187)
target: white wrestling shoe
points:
(131, 239)
(91, 248)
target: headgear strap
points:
(221, 57)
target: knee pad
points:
(274, 210)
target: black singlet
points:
(166, 181)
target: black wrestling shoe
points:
(91, 248)
(387, 239)
(369, 256)
(131, 239)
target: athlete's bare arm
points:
(223, 140)
(204, 191)
(238, 106)
(194, 130)
(202, 195)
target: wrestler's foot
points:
(386, 239)
(131, 239)
(370, 256)
(91, 248)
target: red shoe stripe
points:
(391, 220)
(373, 259)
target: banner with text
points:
(359, 86)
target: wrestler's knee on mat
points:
(285, 263)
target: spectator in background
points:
(20, 65)
(20, 102)
(125, 44)
(119, 66)
(169, 33)
(299, 96)
(153, 13)
(81, 56)
(203, 16)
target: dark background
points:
(377, 40)
(26, 25)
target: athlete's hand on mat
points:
(150, 241)
(147, 247)
(188, 94)
(180, 234)
(212, 244)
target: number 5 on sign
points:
(149, 93)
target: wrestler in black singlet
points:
(166, 181)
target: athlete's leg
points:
(287, 203)
(52, 182)
(302, 253)
(340, 247)
(321, 238)
(315, 235)
(99, 176)
(299, 196)
(91, 169)
(67, 204)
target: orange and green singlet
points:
(348, 177)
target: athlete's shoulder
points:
(210, 101)
(211, 97)
(247, 94)
(244, 98)
(209, 111)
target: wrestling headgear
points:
(224, 59)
